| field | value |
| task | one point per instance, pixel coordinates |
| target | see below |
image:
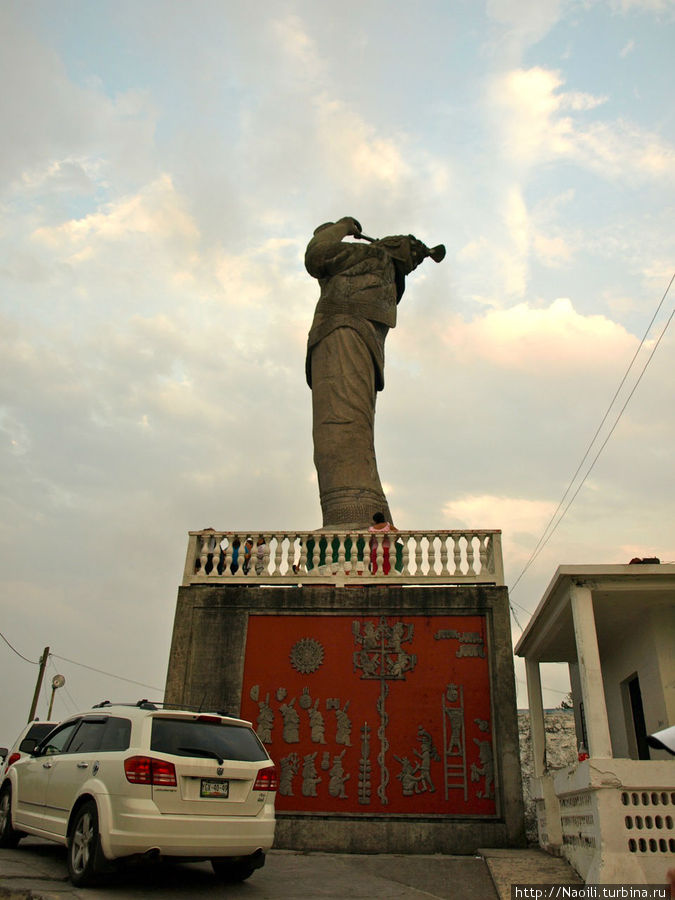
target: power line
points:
(547, 534)
(25, 658)
(109, 674)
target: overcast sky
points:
(162, 169)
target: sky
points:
(163, 167)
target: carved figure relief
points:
(305, 700)
(316, 724)
(344, 726)
(456, 717)
(486, 769)
(426, 753)
(291, 722)
(265, 720)
(338, 778)
(454, 741)
(407, 777)
(290, 766)
(310, 777)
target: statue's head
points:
(352, 225)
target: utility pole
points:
(38, 686)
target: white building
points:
(611, 815)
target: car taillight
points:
(146, 770)
(267, 779)
(12, 759)
(212, 720)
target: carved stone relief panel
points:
(374, 714)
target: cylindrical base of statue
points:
(346, 508)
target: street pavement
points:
(36, 870)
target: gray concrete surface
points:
(36, 870)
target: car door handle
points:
(47, 765)
(83, 765)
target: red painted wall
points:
(370, 714)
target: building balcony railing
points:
(344, 557)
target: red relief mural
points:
(374, 714)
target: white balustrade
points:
(339, 557)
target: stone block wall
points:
(561, 752)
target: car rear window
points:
(34, 735)
(187, 737)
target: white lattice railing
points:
(337, 557)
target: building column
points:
(537, 730)
(542, 782)
(590, 672)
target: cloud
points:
(538, 125)
(526, 21)
(154, 212)
(299, 48)
(531, 339)
(513, 514)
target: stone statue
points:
(361, 285)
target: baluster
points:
(469, 554)
(341, 554)
(379, 554)
(227, 562)
(313, 558)
(204, 553)
(432, 555)
(419, 556)
(444, 555)
(405, 556)
(482, 549)
(457, 554)
(278, 554)
(257, 566)
(302, 562)
(267, 549)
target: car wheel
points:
(231, 869)
(84, 846)
(8, 836)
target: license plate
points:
(214, 788)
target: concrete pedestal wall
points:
(390, 710)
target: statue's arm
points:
(326, 258)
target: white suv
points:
(121, 781)
(26, 742)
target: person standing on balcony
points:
(380, 524)
(361, 286)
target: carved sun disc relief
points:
(306, 655)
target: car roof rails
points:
(158, 704)
(199, 709)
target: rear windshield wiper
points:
(200, 751)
